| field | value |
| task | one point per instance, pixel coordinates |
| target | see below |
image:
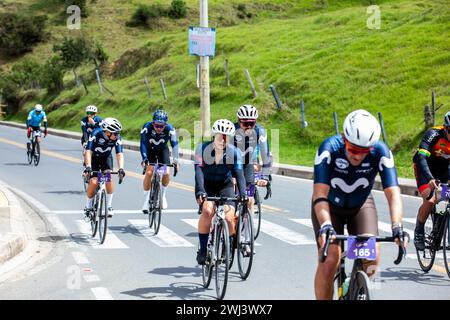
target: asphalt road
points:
(134, 265)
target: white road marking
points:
(386, 227)
(60, 230)
(305, 222)
(127, 211)
(80, 257)
(111, 241)
(91, 278)
(165, 236)
(284, 234)
(194, 223)
(101, 293)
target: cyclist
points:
(35, 117)
(345, 167)
(215, 164)
(98, 157)
(431, 163)
(154, 137)
(88, 124)
(251, 140)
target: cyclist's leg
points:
(107, 165)
(325, 272)
(93, 183)
(147, 184)
(204, 224)
(164, 157)
(227, 190)
(249, 174)
(425, 207)
(365, 223)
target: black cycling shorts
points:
(161, 156)
(363, 220)
(101, 163)
(214, 189)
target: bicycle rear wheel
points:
(222, 250)
(427, 256)
(37, 153)
(245, 238)
(361, 287)
(103, 217)
(446, 244)
(257, 214)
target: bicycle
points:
(437, 231)
(155, 199)
(253, 192)
(34, 154)
(99, 214)
(358, 249)
(218, 248)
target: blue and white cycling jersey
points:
(351, 185)
(34, 119)
(150, 139)
(101, 146)
(87, 128)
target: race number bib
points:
(445, 193)
(104, 177)
(361, 249)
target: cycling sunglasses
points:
(90, 113)
(248, 123)
(159, 125)
(357, 150)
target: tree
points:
(72, 53)
(177, 9)
(52, 77)
(18, 34)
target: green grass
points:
(318, 51)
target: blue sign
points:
(202, 41)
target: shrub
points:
(177, 9)
(52, 77)
(143, 15)
(18, 34)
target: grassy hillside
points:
(318, 51)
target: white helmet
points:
(38, 107)
(362, 129)
(91, 108)
(112, 125)
(223, 126)
(247, 111)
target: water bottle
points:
(345, 286)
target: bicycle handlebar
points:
(401, 248)
(146, 164)
(216, 199)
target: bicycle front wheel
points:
(207, 270)
(222, 250)
(257, 214)
(361, 287)
(103, 217)
(37, 153)
(94, 220)
(245, 243)
(29, 154)
(156, 210)
(446, 244)
(427, 256)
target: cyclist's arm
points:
(87, 158)
(424, 152)
(265, 153)
(395, 204)
(174, 144)
(198, 168)
(29, 119)
(120, 160)
(238, 172)
(143, 145)
(321, 208)
(45, 120)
